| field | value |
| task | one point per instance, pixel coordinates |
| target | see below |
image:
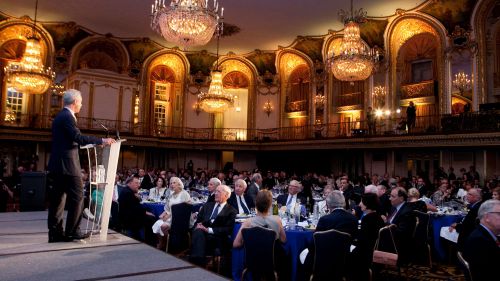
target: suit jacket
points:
(233, 201)
(147, 182)
(406, 221)
(338, 219)
(223, 223)
(482, 253)
(282, 199)
(467, 225)
(132, 214)
(66, 137)
(252, 190)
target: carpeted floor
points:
(439, 272)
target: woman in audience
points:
(496, 193)
(263, 202)
(323, 209)
(417, 204)
(158, 191)
(178, 195)
(370, 224)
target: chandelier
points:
(320, 101)
(355, 61)
(462, 82)
(216, 100)
(29, 75)
(186, 22)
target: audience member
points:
(467, 225)
(289, 200)
(214, 226)
(213, 183)
(239, 200)
(254, 186)
(156, 193)
(481, 248)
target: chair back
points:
(179, 229)
(422, 238)
(332, 248)
(259, 250)
(386, 241)
(465, 266)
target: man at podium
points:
(64, 170)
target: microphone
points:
(102, 125)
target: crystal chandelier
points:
(29, 75)
(320, 101)
(462, 82)
(216, 100)
(355, 61)
(186, 22)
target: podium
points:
(109, 159)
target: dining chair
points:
(331, 250)
(259, 245)
(179, 236)
(421, 238)
(464, 265)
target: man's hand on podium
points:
(108, 141)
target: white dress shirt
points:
(240, 199)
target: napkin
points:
(446, 234)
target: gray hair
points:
(178, 181)
(371, 189)
(215, 181)
(70, 96)
(242, 182)
(226, 189)
(256, 177)
(487, 207)
(335, 200)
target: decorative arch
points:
(293, 64)
(13, 37)
(480, 28)
(163, 76)
(99, 52)
(403, 28)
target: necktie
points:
(215, 213)
(393, 214)
(289, 201)
(243, 206)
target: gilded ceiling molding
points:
(232, 63)
(174, 59)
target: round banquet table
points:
(438, 221)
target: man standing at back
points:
(65, 171)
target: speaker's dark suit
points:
(222, 227)
(65, 170)
(482, 253)
(233, 201)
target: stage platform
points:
(26, 255)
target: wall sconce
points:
(320, 101)
(57, 89)
(268, 107)
(462, 82)
(136, 109)
(378, 96)
(197, 108)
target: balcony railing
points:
(385, 126)
(351, 99)
(418, 90)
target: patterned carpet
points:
(417, 272)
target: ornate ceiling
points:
(263, 24)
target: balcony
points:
(418, 90)
(350, 101)
(476, 122)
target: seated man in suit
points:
(254, 186)
(213, 183)
(403, 217)
(132, 215)
(289, 200)
(213, 227)
(467, 225)
(338, 218)
(239, 200)
(481, 248)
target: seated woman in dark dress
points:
(417, 204)
(370, 224)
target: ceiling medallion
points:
(355, 61)
(186, 22)
(29, 75)
(216, 100)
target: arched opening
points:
(161, 91)
(234, 121)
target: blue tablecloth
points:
(297, 240)
(158, 208)
(439, 221)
